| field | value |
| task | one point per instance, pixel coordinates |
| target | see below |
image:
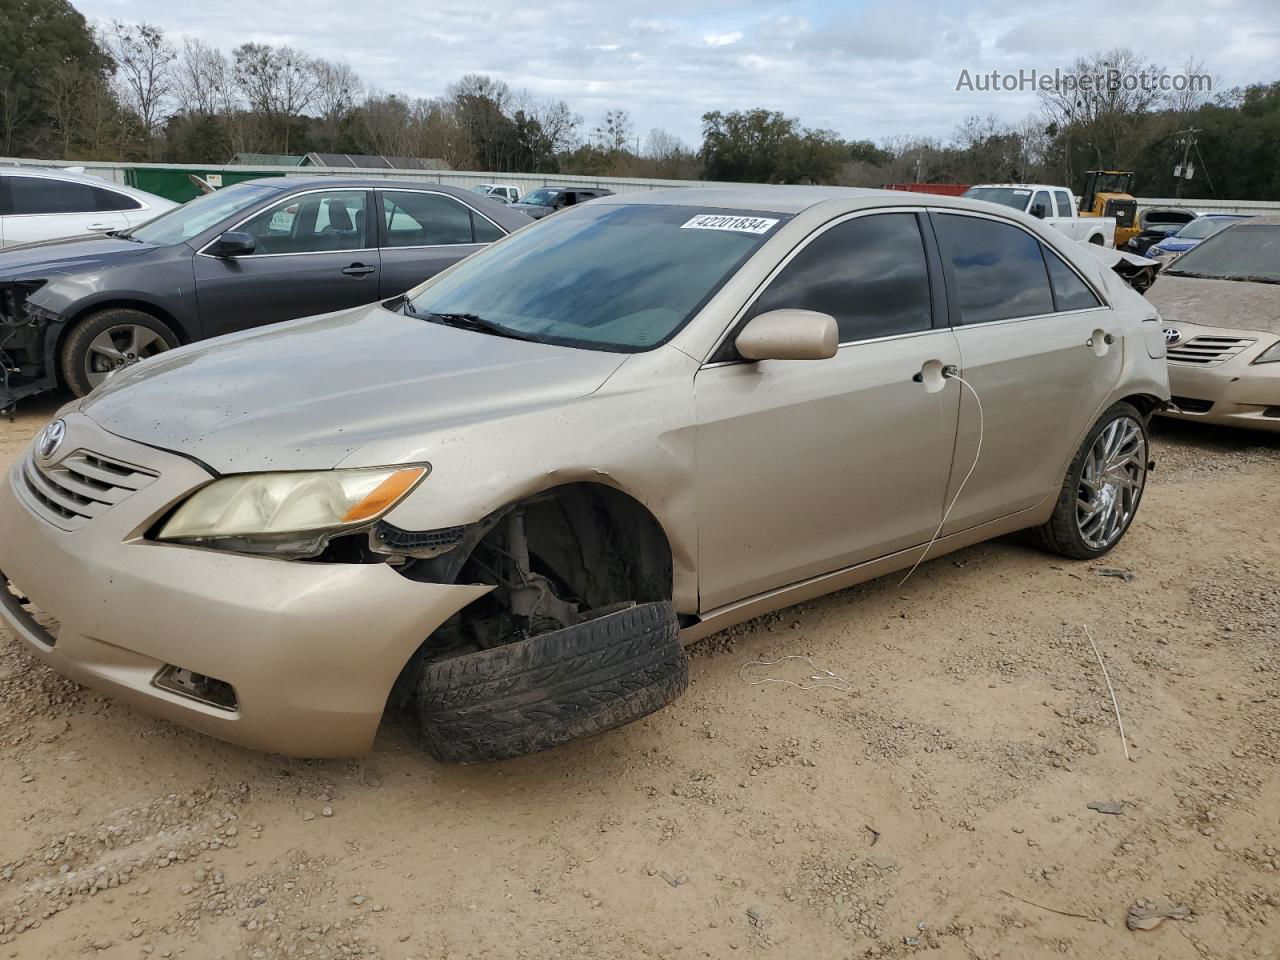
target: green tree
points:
(46, 49)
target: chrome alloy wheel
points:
(1115, 471)
(118, 347)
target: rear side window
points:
(110, 200)
(1069, 291)
(998, 269)
(425, 220)
(35, 195)
(870, 273)
(1064, 203)
(484, 230)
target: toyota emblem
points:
(1172, 335)
(51, 439)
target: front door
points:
(805, 467)
(1042, 352)
(315, 253)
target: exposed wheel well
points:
(601, 543)
(1098, 239)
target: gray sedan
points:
(76, 311)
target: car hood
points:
(530, 209)
(308, 394)
(39, 260)
(1235, 304)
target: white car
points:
(39, 203)
(505, 192)
(1054, 205)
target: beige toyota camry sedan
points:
(502, 502)
(1220, 306)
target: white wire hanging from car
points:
(949, 374)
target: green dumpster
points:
(174, 183)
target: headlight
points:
(1269, 355)
(273, 506)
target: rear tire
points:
(552, 688)
(108, 341)
(1102, 489)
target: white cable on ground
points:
(976, 454)
(1110, 689)
(820, 678)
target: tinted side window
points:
(32, 195)
(998, 269)
(110, 200)
(484, 230)
(870, 273)
(1064, 203)
(425, 219)
(1069, 291)
(1046, 205)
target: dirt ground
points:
(938, 807)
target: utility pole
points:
(1188, 141)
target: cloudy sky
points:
(867, 69)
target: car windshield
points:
(617, 277)
(198, 215)
(541, 198)
(1005, 196)
(1205, 227)
(1248, 251)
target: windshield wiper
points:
(466, 321)
(1243, 278)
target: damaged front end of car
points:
(28, 344)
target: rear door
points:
(1040, 347)
(46, 208)
(315, 253)
(422, 232)
(806, 467)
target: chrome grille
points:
(1208, 351)
(80, 486)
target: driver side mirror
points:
(1037, 211)
(233, 243)
(789, 335)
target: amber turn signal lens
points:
(385, 494)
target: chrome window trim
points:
(791, 255)
(1104, 303)
(425, 246)
(303, 253)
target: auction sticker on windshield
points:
(715, 221)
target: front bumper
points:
(311, 649)
(1235, 392)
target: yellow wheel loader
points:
(1108, 193)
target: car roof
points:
(768, 198)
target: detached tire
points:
(552, 688)
(1103, 487)
(111, 340)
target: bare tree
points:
(64, 85)
(338, 87)
(200, 79)
(144, 71)
(615, 132)
(280, 83)
(1193, 95)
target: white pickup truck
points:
(1053, 205)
